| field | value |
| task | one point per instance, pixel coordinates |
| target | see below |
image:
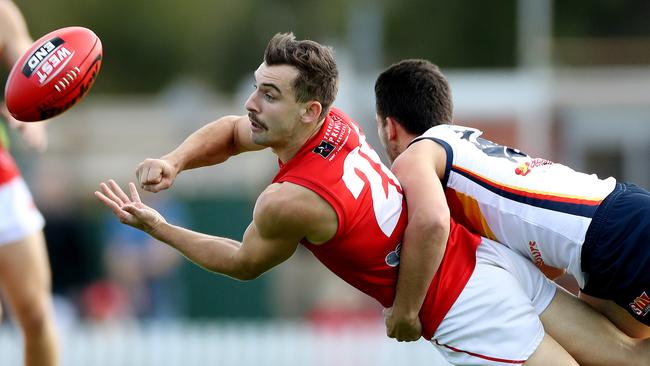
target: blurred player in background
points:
(25, 278)
(333, 195)
(546, 212)
(145, 270)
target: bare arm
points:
(14, 42)
(425, 237)
(14, 37)
(284, 214)
(212, 144)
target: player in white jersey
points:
(544, 211)
(540, 209)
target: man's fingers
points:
(135, 196)
(118, 191)
(130, 208)
(110, 194)
(111, 204)
(405, 337)
(156, 187)
(149, 188)
(154, 174)
(107, 201)
(147, 171)
(138, 173)
(160, 186)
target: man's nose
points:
(250, 104)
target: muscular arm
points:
(214, 143)
(284, 214)
(14, 42)
(270, 239)
(425, 238)
(14, 36)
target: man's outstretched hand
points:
(130, 211)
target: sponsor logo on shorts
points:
(641, 305)
(324, 149)
(537, 255)
(392, 259)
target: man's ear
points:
(311, 112)
(391, 128)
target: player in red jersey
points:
(413, 95)
(333, 195)
(25, 277)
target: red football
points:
(54, 74)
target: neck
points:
(404, 141)
(296, 142)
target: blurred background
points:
(569, 81)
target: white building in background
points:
(597, 120)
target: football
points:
(54, 74)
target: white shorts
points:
(495, 320)
(19, 216)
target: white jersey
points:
(538, 208)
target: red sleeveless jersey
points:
(8, 168)
(342, 168)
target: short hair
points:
(416, 94)
(318, 74)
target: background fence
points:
(273, 343)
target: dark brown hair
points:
(317, 72)
(416, 94)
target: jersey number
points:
(387, 205)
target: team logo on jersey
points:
(537, 255)
(324, 149)
(526, 167)
(392, 259)
(641, 305)
(523, 169)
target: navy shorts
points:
(616, 252)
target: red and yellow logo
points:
(537, 255)
(641, 305)
(523, 169)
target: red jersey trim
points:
(478, 355)
(456, 268)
